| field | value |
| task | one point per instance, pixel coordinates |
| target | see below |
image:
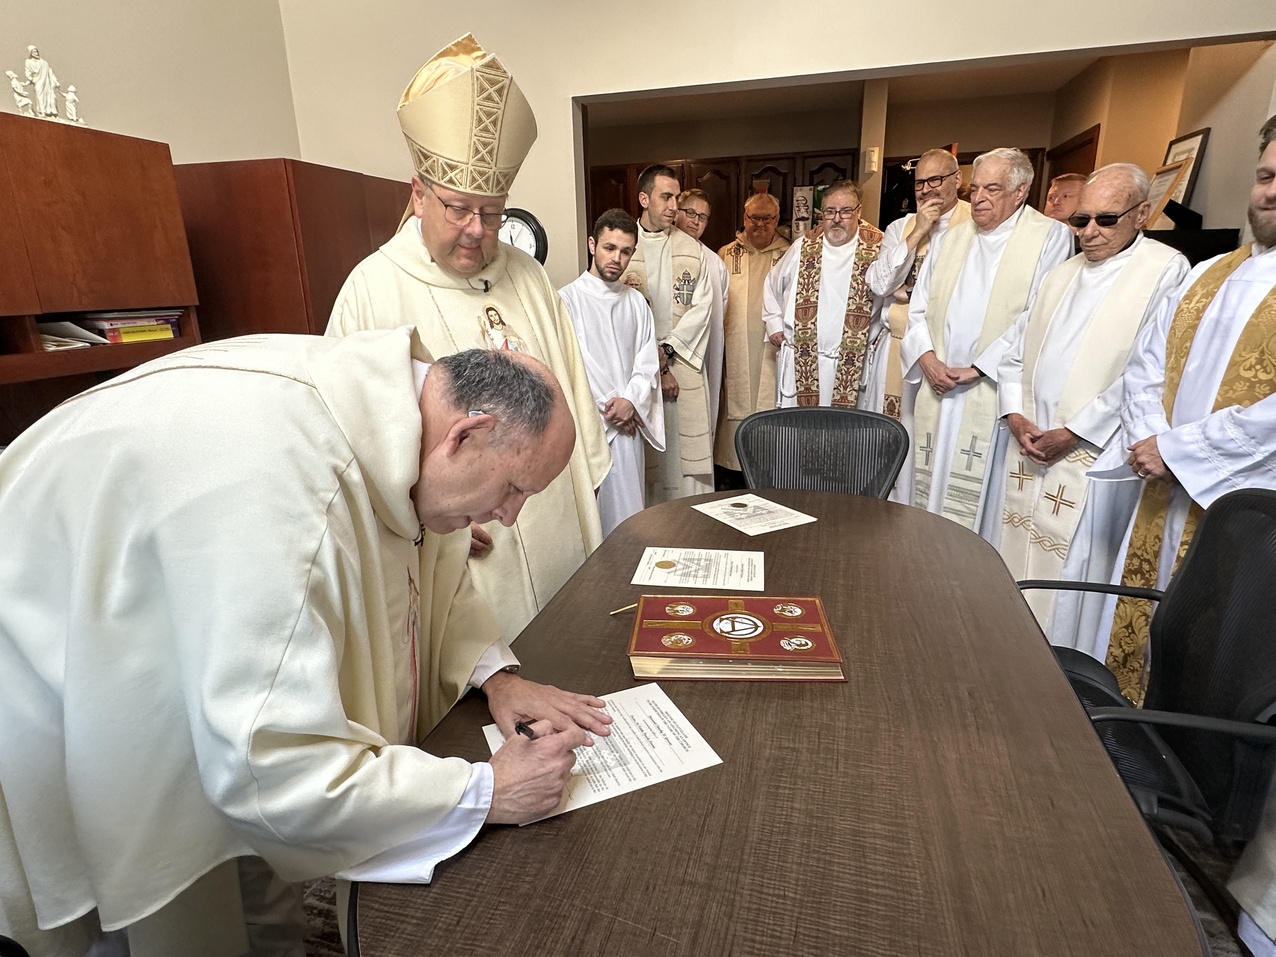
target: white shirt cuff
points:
(496, 657)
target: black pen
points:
(525, 728)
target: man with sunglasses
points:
(750, 360)
(969, 293)
(827, 315)
(1059, 384)
(1198, 419)
(468, 128)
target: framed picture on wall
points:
(1164, 183)
(1190, 147)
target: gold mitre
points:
(467, 123)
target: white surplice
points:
(617, 336)
(963, 324)
(1209, 453)
(837, 265)
(713, 357)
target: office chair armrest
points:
(1104, 588)
(1265, 733)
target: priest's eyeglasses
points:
(846, 212)
(692, 215)
(761, 220)
(934, 182)
(462, 215)
(1105, 220)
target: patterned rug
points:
(323, 938)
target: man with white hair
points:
(1059, 384)
(468, 128)
(968, 295)
(828, 314)
(749, 379)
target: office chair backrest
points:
(1213, 645)
(822, 449)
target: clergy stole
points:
(693, 443)
(1249, 377)
(1010, 290)
(1043, 503)
(897, 314)
(859, 313)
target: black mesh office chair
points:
(822, 449)
(1199, 755)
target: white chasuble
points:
(749, 365)
(212, 646)
(668, 268)
(509, 304)
(715, 348)
(618, 342)
(970, 291)
(1063, 370)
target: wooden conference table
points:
(949, 798)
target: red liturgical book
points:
(730, 637)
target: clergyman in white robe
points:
(1208, 452)
(617, 337)
(1077, 335)
(963, 326)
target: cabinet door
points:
(18, 296)
(387, 200)
(611, 187)
(720, 181)
(824, 169)
(779, 173)
(100, 216)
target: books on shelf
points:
(104, 328)
(731, 637)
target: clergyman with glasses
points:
(446, 272)
(748, 381)
(694, 209)
(820, 312)
(969, 293)
(1059, 384)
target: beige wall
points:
(983, 123)
(1143, 108)
(1232, 91)
(733, 136)
(349, 63)
(208, 78)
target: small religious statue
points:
(71, 105)
(20, 95)
(46, 83)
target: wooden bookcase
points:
(273, 240)
(89, 221)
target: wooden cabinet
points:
(273, 240)
(89, 221)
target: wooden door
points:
(720, 181)
(780, 175)
(611, 187)
(825, 169)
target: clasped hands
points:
(1146, 462)
(620, 413)
(943, 378)
(529, 775)
(1045, 446)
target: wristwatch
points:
(512, 669)
(667, 349)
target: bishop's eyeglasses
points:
(1105, 220)
(462, 215)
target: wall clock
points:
(524, 231)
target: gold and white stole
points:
(1043, 503)
(855, 322)
(1250, 376)
(897, 314)
(1008, 297)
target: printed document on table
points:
(651, 741)
(753, 514)
(718, 568)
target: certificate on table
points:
(719, 568)
(753, 514)
(651, 741)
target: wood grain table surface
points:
(949, 798)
